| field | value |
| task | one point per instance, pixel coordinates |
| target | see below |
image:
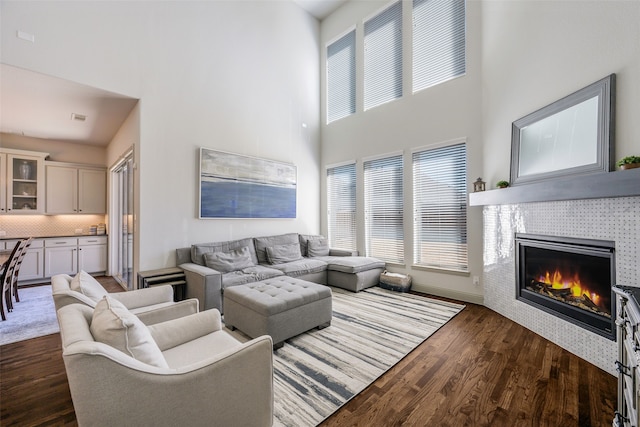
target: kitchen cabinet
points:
(92, 254)
(60, 256)
(22, 182)
(67, 255)
(75, 189)
(32, 267)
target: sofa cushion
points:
(301, 267)
(114, 325)
(197, 251)
(354, 264)
(279, 254)
(249, 275)
(304, 242)
(262, 243)
(317, 247)
(84, 283)
(234, 260)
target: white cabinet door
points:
(75, 189)
(60, 256)
(32, 266)
(92, 191)
(62, 190)
(25, 184)
(92, 254)
(92, 258)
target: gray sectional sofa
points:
(211, 267)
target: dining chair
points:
(6, 279)
(20, 257)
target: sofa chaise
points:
(211, 267)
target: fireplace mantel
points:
(624, 183)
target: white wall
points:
(536, 52)
(229, 75)
(441, 113)
(59, 151)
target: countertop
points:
(51, 236)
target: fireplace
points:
(569, 278)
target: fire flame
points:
(577, 290)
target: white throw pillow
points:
(114, 325)
(87, 285)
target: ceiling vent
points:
(78, 117)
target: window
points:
(383, 57)
(341, 206)
(438, 41)
(440, 207)
(341, 77)
(383, 200)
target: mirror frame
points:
(604, 90)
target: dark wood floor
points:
(480, 369)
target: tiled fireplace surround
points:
(616, 219)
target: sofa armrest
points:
(172, 333)
(170, 312)
(144, 297)
(342, 252)
(205, 284)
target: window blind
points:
(438, 41)
(383, 57)
(341, 77)
(341, 206)
(440, 208)
(384, 213)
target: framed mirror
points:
(572, 136)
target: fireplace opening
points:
(570, 278)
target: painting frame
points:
(571, 136)
(236, 186)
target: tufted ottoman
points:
(282, 307)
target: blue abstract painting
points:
(236, 186)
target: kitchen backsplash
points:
(45, 226)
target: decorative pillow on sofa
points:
(114, 325)
(279, 254)
(84, 283)
(226, 262)
(317, 247)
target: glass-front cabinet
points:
(23, 182)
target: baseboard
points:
(449, 293)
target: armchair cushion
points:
(84, 283)
(114, 325)
(225, 262)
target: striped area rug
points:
(317, 372)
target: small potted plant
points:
(629, 162)
(502, 184)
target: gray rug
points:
(317, 372)
(34, 316)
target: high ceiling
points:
(46, 107)
(40, 106)
(320, 8)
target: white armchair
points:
(151, 305)
(209, 379)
